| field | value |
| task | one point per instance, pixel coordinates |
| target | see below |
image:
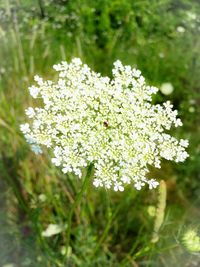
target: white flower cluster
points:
(110, 123)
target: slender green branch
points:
(77, 202)
(106, 228)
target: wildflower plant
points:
(110, 123)
(191, 240)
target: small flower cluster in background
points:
(166, 88)
(111, 123)
(191, 240)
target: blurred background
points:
(162, 39)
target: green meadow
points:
(39, 204)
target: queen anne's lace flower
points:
(110, 123)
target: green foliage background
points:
(108, 229)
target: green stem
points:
(77, 202)
(129, 254)
(106, 229)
